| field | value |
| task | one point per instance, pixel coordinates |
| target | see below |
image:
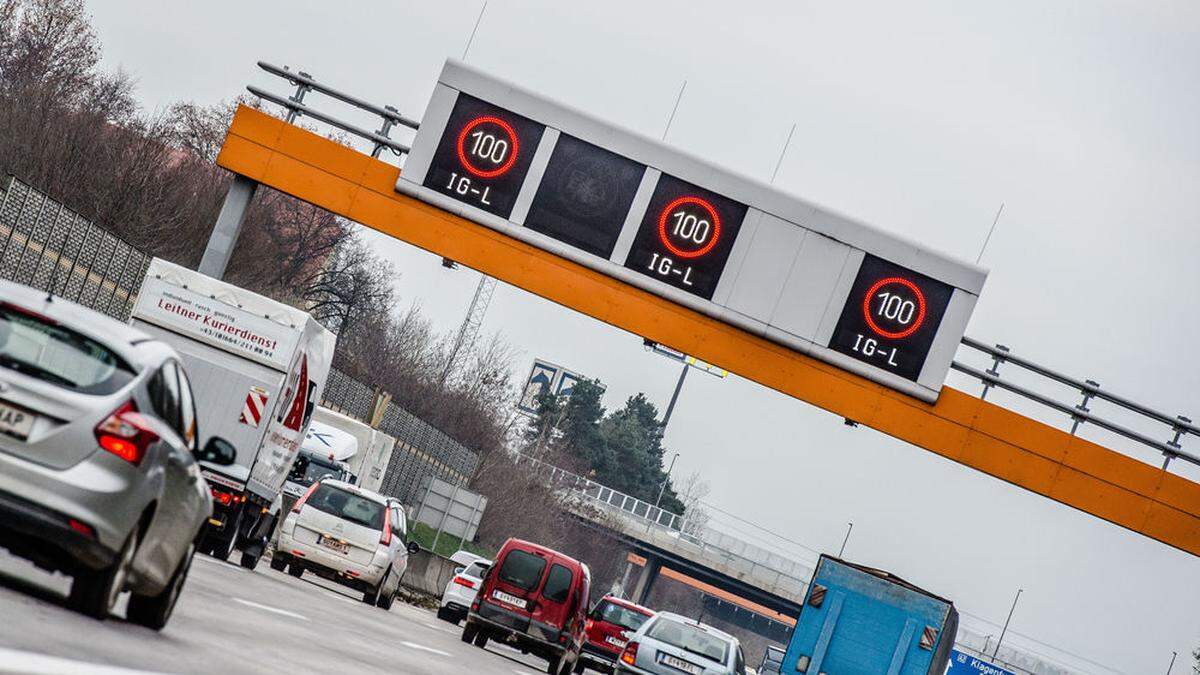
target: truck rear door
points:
(856, 622)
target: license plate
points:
(334, 544)
(293, 490)
(15, 422)
(615, 642)
(680, 664)
(508, 599)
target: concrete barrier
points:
(428, 573)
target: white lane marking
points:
(30, 663)
(441, 628)
(268, 608)
(413, 645)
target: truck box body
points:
(372, 450)
(861, 621)
(257, 368)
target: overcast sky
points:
(1080, 117)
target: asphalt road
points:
(230, 620)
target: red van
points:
(536, 599)
(607, 629)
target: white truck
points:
(258, 368)
(338, 447)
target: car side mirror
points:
(413, 548)
(218, 451)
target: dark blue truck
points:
(862, 621)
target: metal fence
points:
(421, 449)
(50, 247)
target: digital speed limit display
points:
(891, 317)
(686, 236)
(483, 155)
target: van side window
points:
(558, 584)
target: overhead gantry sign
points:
(741, 312)
(691, 232)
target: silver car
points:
(670, 644)
(97, 436)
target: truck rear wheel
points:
(249, 561)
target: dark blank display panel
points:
(584, 196)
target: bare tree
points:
(692, 492)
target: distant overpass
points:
(773, 584)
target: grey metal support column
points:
(646, 579)
(228, 228)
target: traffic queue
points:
(127, 448)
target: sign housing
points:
(703, 237)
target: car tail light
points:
(126, 434)
(629, 655)
(463, 581)
(82, 528)
(300, 502)
(587, 625)
(386, 537)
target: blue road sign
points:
(541, 379)
(965, 664)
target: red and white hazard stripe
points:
(252, 411)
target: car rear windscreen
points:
(522, 569)
(347, 506)
(689, 638)
(620, 616)
(558, 584)
(41, 349)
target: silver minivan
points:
(351, 536)
(670, 644)
(98, 472)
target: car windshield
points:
(308, 469)
(347, 506)
(522, 569)
(621, 616)
(52, 353)
(690, 638)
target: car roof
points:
(529, 545)
(117, 336)
(692, 622)
(617, 600)
(361, 492)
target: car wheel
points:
(153, 611)
(278, 562)
(94, 592)
(249, 561)
(469, 632)
(481, 639)
(372, 596)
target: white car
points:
(461, 589)
(348, 535)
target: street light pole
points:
(675, 396)
(1172, 666)
(996, 653)
(848, 531)
(662, 488)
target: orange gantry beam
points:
(960, 427)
